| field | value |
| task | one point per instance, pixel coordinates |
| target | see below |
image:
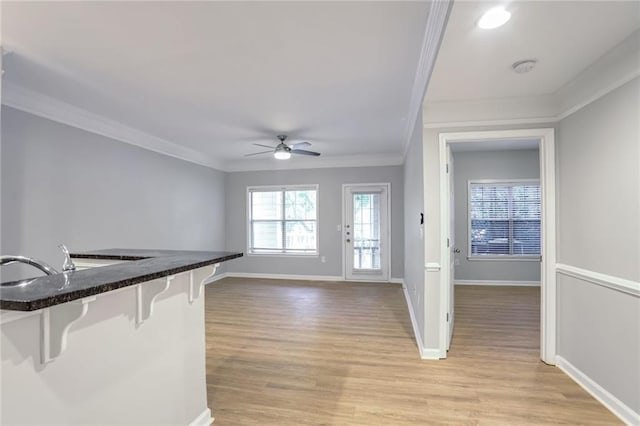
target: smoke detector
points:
(524, 66)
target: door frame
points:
(546, 146)
(451, 239)
(387, 256)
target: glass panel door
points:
(366, 232)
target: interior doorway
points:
(543, 139)
(494, 223)
(366, 233)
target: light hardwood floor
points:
(320, 353)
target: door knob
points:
(348, 240)
(456, 250)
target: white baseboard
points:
(414, 323)
(432, 354)
(332, 278)
(217, 278)
(204, 419)
(424, 353)
(284, 276)
(498, 283)
(616, 406)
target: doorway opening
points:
(366, 232)
(504, 222)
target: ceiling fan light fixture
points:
(282, 155)
(283, 151)
(494, 18)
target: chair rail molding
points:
(432, 267)
(615, 283)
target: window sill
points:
(504, 258)
(309, 256)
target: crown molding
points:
(439, 11)
(490, 123)
(609, 72)
(316, 163)
(614, 69)
(35, 103)
(504, 111)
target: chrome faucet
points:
(5, 260)
(68, 264)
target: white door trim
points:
(387, 185)
(546, 145)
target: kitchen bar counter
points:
(137, 266)
(120, 342)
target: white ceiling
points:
(216, 77)
(564, 36)
(211, 78)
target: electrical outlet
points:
(456, 261)
(339, 228)
(323, 259)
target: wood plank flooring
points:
(322, 353)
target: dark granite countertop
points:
(143, 265)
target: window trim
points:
(266, 188)
(494, 257)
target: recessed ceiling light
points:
(494, 18)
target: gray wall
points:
(599, 230)
(512, 164)
(598, 226)
(330, 215)
(62, 184)
(413, 231)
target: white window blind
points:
(504, 219)
(283, 220)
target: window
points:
(366, 230)
(504, 219)
(283, 220)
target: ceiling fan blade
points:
(258, 153)
(299, 145)
(304, 152)
(264, 146)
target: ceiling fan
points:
(283, 151)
